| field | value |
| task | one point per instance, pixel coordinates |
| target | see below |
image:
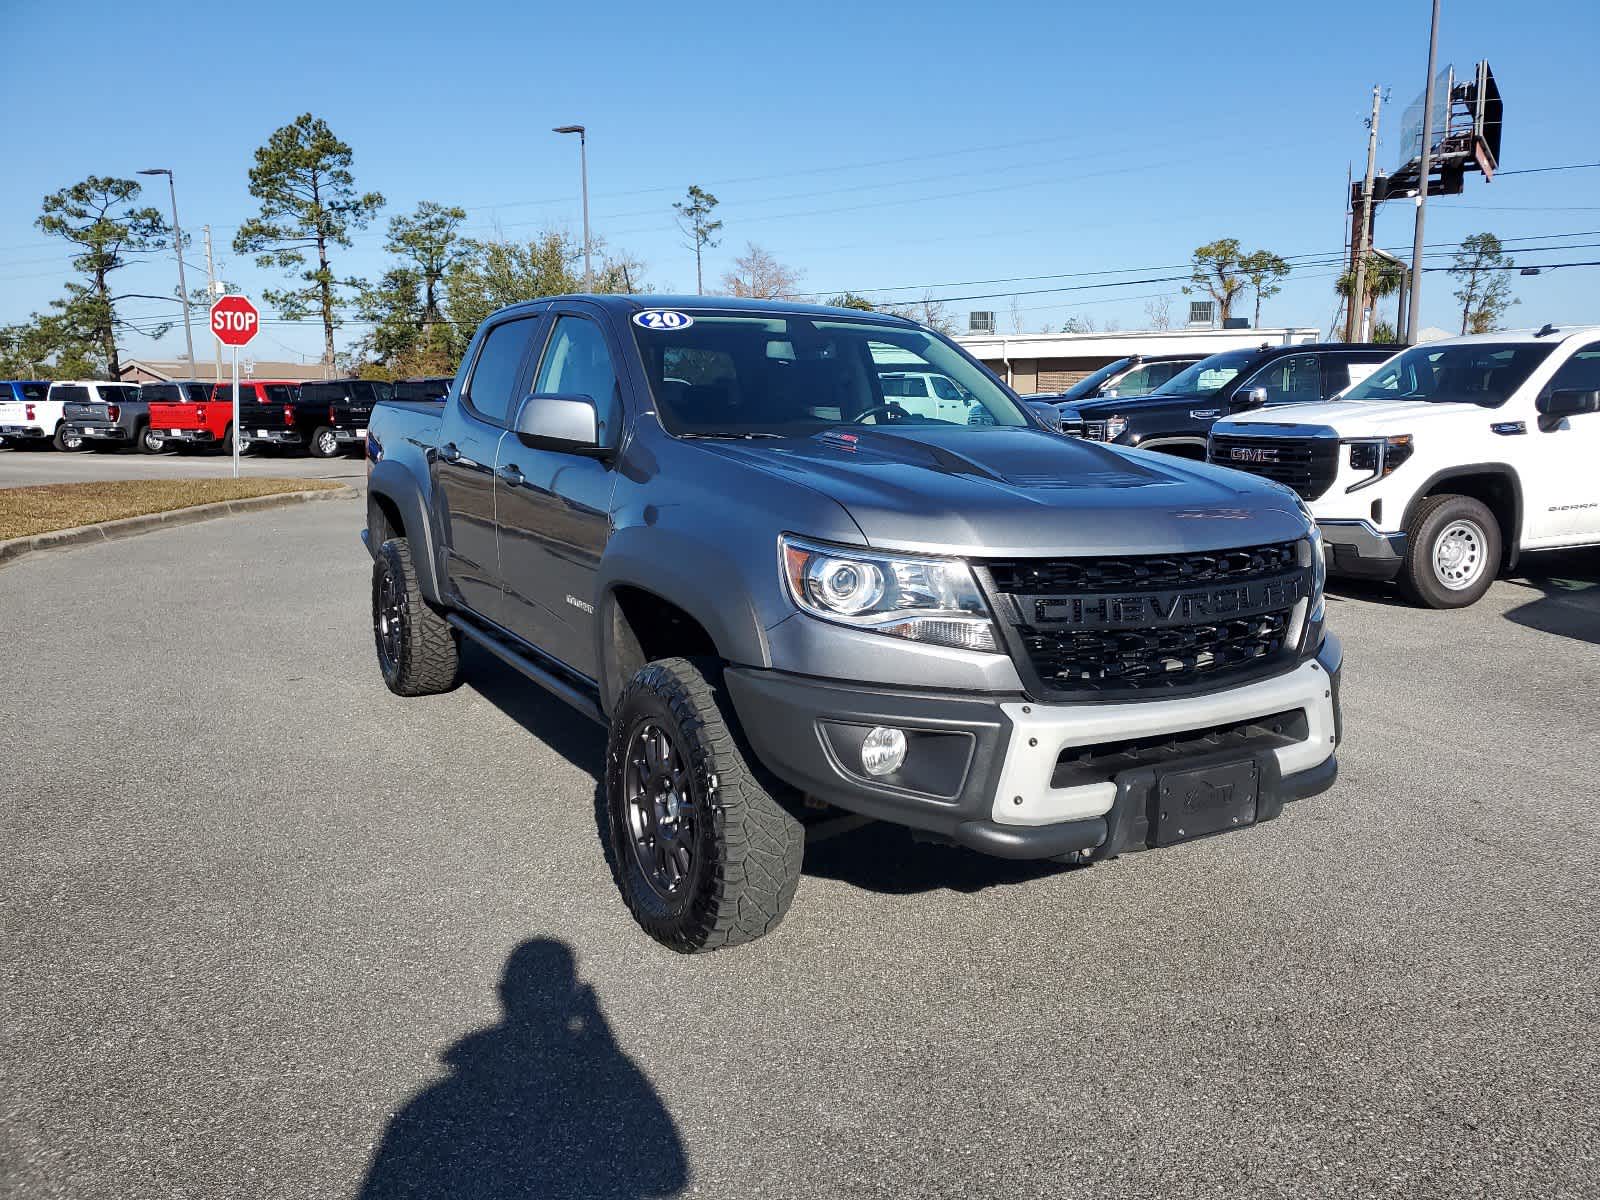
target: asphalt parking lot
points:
(273, 932)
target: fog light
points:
(883, 750)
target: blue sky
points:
(870, 145)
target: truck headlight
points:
(1379, 457)
(931, 600)
(1114, 427)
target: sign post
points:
(234, 322)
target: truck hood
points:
(1114, 406)
(1353, 418)
(1023, 492)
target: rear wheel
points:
(226, 444)
(65, 439)
(324, 444)
(418, 651)
(702, 852)
(1452, 552)
(148, 440)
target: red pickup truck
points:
(266, 416)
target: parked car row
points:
(321, 417)
(1435, 467)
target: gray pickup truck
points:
(703, 522)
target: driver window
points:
(577, 362)
(1133, 383)
(1291, 379)
(1580, 373)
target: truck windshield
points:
(70, 394)
(278, 393)
(1484, 373)
(159, 392)
(788, 374)
(1208, 376)
(1090, 384)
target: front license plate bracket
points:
(1205, 800)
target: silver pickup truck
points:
(108, 415)
(704, 523)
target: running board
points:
(579, 697)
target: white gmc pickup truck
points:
(1446, 463)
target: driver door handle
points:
(449, 453)
(512, 475)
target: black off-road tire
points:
(322, 443)
(747, 848)
(422, 655)
(1421, 579)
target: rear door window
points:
(493, 382)
(34, 391)
(161, 393)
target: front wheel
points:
(703, 854)
(65, 439)
(419, 652)
(324, 443)
(1452, 552)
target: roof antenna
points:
(1547, 331)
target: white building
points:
(1052, 362)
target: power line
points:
(1542, 170)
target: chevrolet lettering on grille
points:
(1185, 606)
(1255, 454)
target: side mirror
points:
(1244, 401)
(1569, 402)
(566, 423)
(1048, 413)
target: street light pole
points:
(177, 242)
(1415, 307)
(583, 168)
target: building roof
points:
(1121, 343)
(154, 370)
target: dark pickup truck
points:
(336, 411)
(1177, 417)
(702, 522)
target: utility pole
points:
(1355, 325)
(1415, 307)
(211, 292)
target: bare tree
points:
(926, 311)
(759, 276)
(1158, 312)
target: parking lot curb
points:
(107, 531)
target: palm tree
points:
(1384, 278)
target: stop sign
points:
(234, 320)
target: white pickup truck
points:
(1446, 463)
(31, 419)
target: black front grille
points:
(1137, 622)
(1308, 465)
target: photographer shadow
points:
(544, 1104)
